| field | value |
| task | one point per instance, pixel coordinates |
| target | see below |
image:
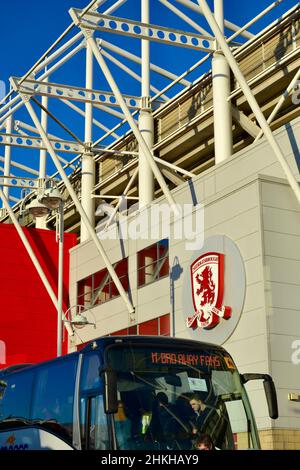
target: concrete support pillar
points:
(221, 92)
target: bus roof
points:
(104, 341)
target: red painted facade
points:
(28, 318)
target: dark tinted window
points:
(16, 395)
(90, 375)
(54, 395)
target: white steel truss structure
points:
(108, 114)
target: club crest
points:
(207, 281)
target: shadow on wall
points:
(294, 144)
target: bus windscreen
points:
(168, 398)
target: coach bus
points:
(110, 395)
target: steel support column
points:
(7, 156)
(40, 222)
(88, 163)
(221, 92)
(146, 122)
(251, 99)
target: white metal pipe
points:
(145, 10)
(82, 113)
(10, 112)
(58, 40)
(111, 111)
(219, 14)
(114, 7)
(251, 99)
(221, 92)
(174, 167)
(32, 129)
(138, 60)
(7, 155)
(283, 97)
(60, 279)
(184, 74)
(46, 74)
(22, 167)
(146, 122)
(129, 71)
(132, 123)
(254, 20)
(32, 256)
(76, 201)
(130, 183)
(88, 162)
(44, 122)
(61, 62)
(146, 177)
(184, 17)
(9, 105)
(40, 222)
(228, 24)
(41, 63)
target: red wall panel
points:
(28, 319)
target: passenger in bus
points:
(122, 426)
(161, 429)
(204, 442)
(205, 417)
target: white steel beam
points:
(282, 99)
(12, 181)
(254, 20)
(142, 144)
(73, 195)
(138, 60)
(95, 121)
(173, 176)
(250, 98)
(129, 71)
(22, 167)
(33, 258)
(139, 30)
(246, 123)
(34, 142)
(23, 125)
(126, 190)
(184, 17)
(83, 95)
(228, 24)
(174, 167)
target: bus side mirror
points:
(270, 391)
(110, 391)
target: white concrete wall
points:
(244, 200)
(281, 246)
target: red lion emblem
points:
(207, 286)
(207, 282)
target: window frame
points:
(158, 259)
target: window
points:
(16, 396)
(54, 395)
(153, 263)
(99, 287)
(157, 327)
(93, 420)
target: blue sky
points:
(29, 27)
